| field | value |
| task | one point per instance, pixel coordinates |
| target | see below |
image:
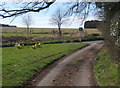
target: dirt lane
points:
(74, 70)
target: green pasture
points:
(19, 65)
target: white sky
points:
(65, 0)
(42, 19)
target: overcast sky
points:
(42, 19)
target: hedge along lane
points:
(68, 40)
(21, 64)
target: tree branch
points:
(15, 12)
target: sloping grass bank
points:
(106, 70)
(18, 65)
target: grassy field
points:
(0, 67)
(106, 70)
(18, 65)
(37, 30)
(21, 31)
(92, 31)
(22, 34)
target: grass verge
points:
(106, 70)
(18, 65)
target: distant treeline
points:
(92, 24)
(6, 25)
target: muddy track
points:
(73, 70)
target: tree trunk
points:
(28, 36)
(60, 33)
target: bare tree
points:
(76, 8)
(27, 20)
(23, 7)
(59, 18)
